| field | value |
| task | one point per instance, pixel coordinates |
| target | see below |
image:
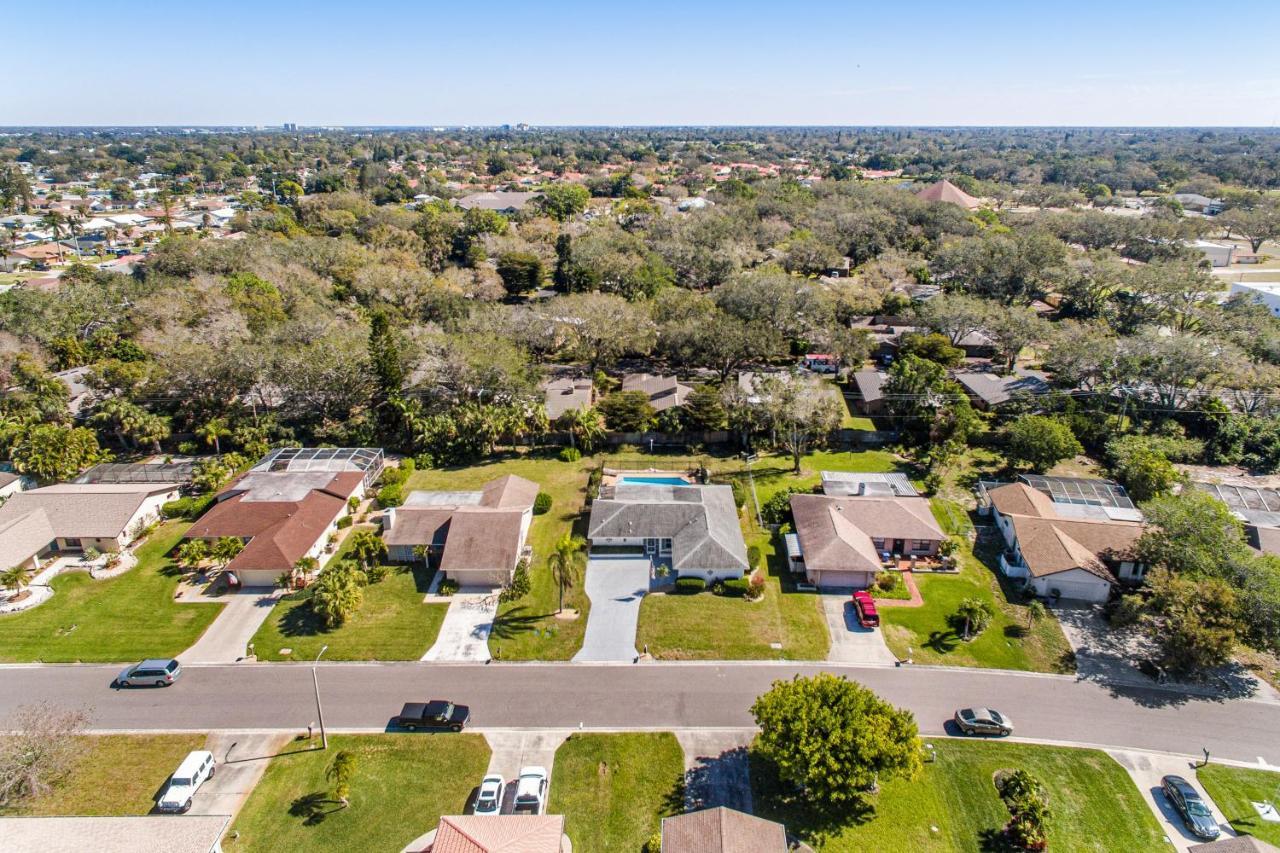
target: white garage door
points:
(1076, 590)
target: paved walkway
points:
(464, 636)
(616, 586)
(716, 769)
(850, 642)
(916, 599)
(240, 759)
(1146, 769)
(227, 639)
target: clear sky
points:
(334, 62)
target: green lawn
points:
(953, 805)
(391, 624)
(614, 789)
(1235, 789)
(129, 617)
(115, 775)
(926, 635)
(527, 629)
(402, 786)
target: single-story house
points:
(869, 391)
(813, 388)
(664, 392)
(283, 513)
(132, 834)
(991, 390)
(722, 830)
(566, 394)
(506, 203)
(74, 517)
(844, 541)
(1073, 550)
(1199, 203)
(695, 527)
(474, 538)
(1217, 254)
(507, 833)
(1265, 292)
(10, 484)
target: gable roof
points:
(566, 394)
(498, 834)
(24, 535)
(700, 521)
(994, 389)
(83, 510)
(509, 492)
(664, 392)
(870, 383)
(480, 539)
(722, 830)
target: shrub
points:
(753, 557)
(777, 509)
(690, 585)
(376, 574)
(520, 583)
(735, 587)
(542, 504)
(570, 454)
(352, 503)
(391, 495)
(189, 507)
(886, 580)
(424, 460)
(654, 844)
(344, 522)
(739, 493)
(448, 586)
(755, 586)
(407, 467)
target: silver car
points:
(153, 672)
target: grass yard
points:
(391, 624)
(115, 775)
(129, 617)
(528, 629)
(614, 789)
(402, 786)
(1235, 789)
(953, 805)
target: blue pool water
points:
(656, 481)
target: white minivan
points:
(194, 770)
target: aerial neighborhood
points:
(682, 490)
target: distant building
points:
(945, 191)
(1218, 254)
(1199, 203)
(506, 203)
(1266, 292)
(664, 392)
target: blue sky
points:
(1125, 62)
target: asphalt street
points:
(652, 695)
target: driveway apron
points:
(1146, 769)
(850, 642)
(464, 636)
(227, 639)
(616, 586)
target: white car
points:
(531, 790)
(489, 800)
(194, 771)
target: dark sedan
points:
(1187, 800)
(437, 714)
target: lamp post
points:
(315, 681)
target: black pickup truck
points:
(436, 714)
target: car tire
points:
(455, 728)
(159, 684)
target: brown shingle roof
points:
(722, 830)
(509, 492)
(482, 540)
(838, 530)
(1051, 543)
(417, 525)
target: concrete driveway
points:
(464, 636)
(850, 642)
(514, 750)
(240, 759)
(716, 768)
(1146, 769)
(227, 639)
(616, 586)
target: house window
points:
(878, 543)
(665, 547)
(921, 545)
(72, 543)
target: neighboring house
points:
(695, 527)
(664, 392)
(991, 390)
(1199, 203)
(10, 484)
(948, 192)
(134, 834)
(1218, 254)
(1076, 543)
(286, 507)
(80, 395)
(1265, 292)
(566, 394)
(74, 517)
(474, 538)
(1258, 508)
(844, 541)
(1238, 844)
(140, 472)
(722, 830)
(869, 391)
(506, 203)
(813, 388)
(508, 833)
(820, 362)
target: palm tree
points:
(302, 568)
(976, 614)
(586, 427)
(213, 431)
(16, 578)
(367, 547)
(565, 563)
(192, 553)
(52, 220)
(340, 772)
(1035, 612)
(225, 550)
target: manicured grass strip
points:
(614, 789)
(953, 805)
(402, 785)
(115, 775)
(1236, 789)
(391, 624)
(129, 617)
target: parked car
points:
(194, 771)
(489, 800)
(153, 672)
(865, 607)
(983, 721)
(436, 714)
(1187, 800)
(531, 790)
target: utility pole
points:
(315, 681)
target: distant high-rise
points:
(289, 126)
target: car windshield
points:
(996, 718)
(173, 664)
(177, 780)
(967, 713)
(447, 710)
(1196, 807)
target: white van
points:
(186, 780)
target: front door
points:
(899, 546)
(651, 546)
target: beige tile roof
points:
(722, 830)
(24, 536)
(499, 834)
(84, 511)
(509, 492)
(1051, 544)
(142, 834)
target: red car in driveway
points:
(865, 607)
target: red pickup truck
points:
(865, 607)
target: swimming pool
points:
(655, 481)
